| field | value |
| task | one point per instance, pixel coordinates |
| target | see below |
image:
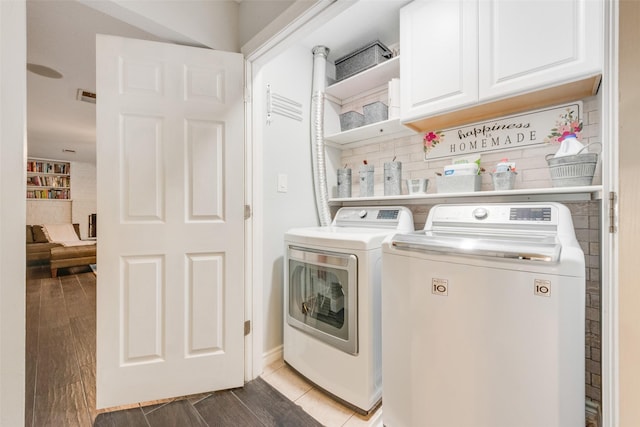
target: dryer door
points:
(322, 295)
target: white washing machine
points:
(332, 301)
(483, 319)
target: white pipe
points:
(318, 155)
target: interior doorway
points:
(61, 126)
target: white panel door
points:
(529, 44)
(439, 59)
(170, 156)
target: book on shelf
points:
(48, 194)
(48, 179)
(48, 167)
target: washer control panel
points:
(530, 214)
(495, 214)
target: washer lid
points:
(339, 237)
(524, 247)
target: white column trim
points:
(609, 241)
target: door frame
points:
(13, 155)
(266, 45)
(609, 307)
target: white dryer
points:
(483, 319)
(332, 302)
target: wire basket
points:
(574, 170)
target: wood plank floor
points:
(60, 370)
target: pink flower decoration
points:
(431, 139)
(566, 124)
(576, 126)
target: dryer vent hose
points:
(318, 155)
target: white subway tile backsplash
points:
(580, 221)
(371, 148)
(589, 104)
(591, 131)
(540, 174)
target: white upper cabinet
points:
(529, 44)
(458, 54)
(439, 60)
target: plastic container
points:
(458, 183)
(461, 169)
(505, 165)
(569, 146)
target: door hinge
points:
(613, 200)
(247, 211)
(247, 327)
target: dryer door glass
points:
(322, 296)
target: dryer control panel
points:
(396, 217)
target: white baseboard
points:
(272, 355)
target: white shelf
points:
(558, 194)
(38, 199)
(47, 174)
(366, 80)
(374, 132)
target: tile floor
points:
(314, 401)
(63, 304)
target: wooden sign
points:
(518, 131)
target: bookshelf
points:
(48, 179)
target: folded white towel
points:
(79, 243)
(64, 234)
(58, 233)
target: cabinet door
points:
(531, 44)
(439, 59)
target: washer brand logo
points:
(542, 288)
(440, 287)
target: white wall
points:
(49, 211)
(13, 150)
(83, 192)
(254, 15)
(195, 22)
(285, 149)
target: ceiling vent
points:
(86, 96)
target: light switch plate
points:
(283, 185)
